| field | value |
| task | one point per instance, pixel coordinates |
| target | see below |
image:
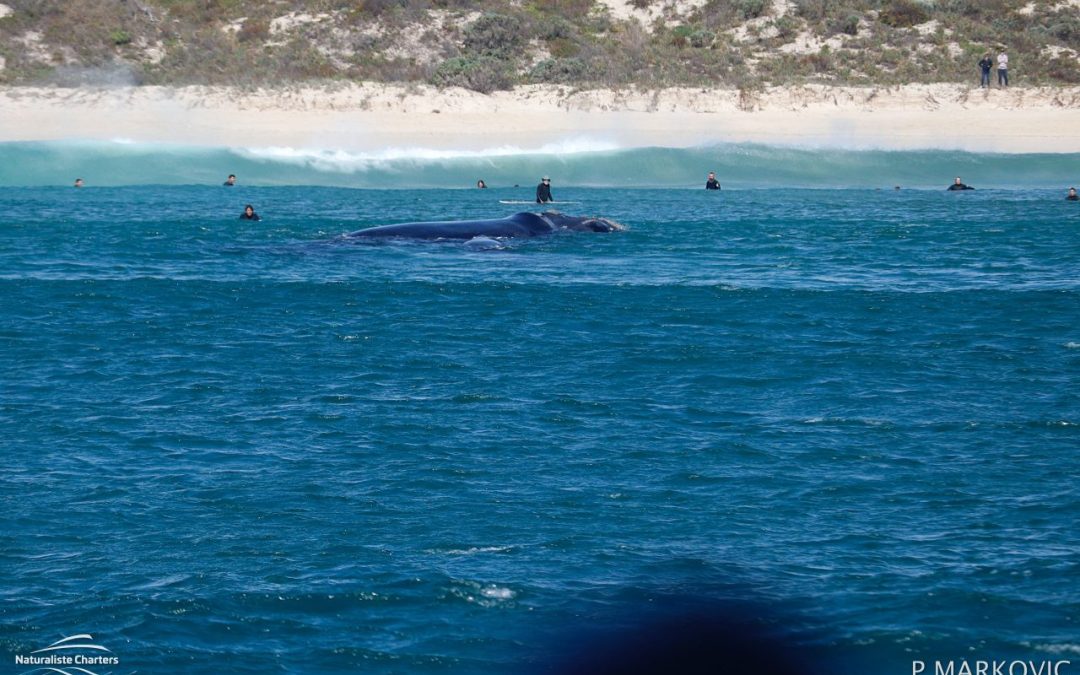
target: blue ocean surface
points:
(847, 418)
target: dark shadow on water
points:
(687, 635)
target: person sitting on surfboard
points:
(543, 191)
(1072, 196)
(958, 185)
(711, 183)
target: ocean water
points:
(846, 420)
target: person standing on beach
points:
(231, 180)
(711, 183)
(543, 191)
(1003, 69)
(986, 64)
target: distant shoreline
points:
(367, 117)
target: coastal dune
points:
(359, 117)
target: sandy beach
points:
(366, 117)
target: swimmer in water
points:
(78, 182)
(249, 213)
(481, 184)
(1072, 196)
(231, 180)
(958, 185)
(711, 183)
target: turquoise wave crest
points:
(581, 164)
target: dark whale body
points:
(518, 225)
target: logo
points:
(69, 656)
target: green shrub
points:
(1063, 69)
(495, 35)
(551, 28)
(848, 24)
(379, 7)
(484, 74)
(786, 27)
(563, 48)
(680, 35)
(811, 10)
(559, 71)
(903, 14)
(1067, 30)
(701, 38)
(577, 9)
(751, 9)
(120, 38)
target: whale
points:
(519, 225)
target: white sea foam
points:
(477, 549)
(497, 593)
(1066, 648)
(347, 162)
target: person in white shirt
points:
(1003, 69)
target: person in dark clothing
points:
(231, 180)
(78, 182)
(986, 64)
(543, 191)
(249, 213)
(1072, 196)
(481, 184)
(958, 185)
(712, 183)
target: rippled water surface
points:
(255, 447)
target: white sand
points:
(378, 117)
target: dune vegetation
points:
(498, 44)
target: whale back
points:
(522, 224)
(518, 225)
(560, 221)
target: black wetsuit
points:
(543, 193)
(1073, 198)
(253, 216)
(712, 184)
(959, 186)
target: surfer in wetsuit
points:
(543, 191)
(249, 213)
(712, 183)
(481, 184)
(958, 185)
(231, 180)
(78, 182)
(1072, 196)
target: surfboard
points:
(513, 201)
